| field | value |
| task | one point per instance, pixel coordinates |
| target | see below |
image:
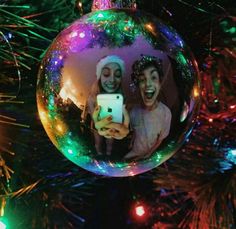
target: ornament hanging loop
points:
(109, 4)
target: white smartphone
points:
(111, 104)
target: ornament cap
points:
(109, 4)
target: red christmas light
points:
(140, 210)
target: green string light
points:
(3, 224)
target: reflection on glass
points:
(150, 120)
(109, 72)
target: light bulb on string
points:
(140, 211)
(3, 220)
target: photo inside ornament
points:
(118, 92)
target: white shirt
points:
(149, 127)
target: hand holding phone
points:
(110, 117)
(110, 105)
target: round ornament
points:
(118, 92)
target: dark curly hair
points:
(145, 62)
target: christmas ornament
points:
(135, 59)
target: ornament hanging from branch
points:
(118, 90)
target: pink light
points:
(131, 173)
(73, 34)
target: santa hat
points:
(109, 59)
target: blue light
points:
(171, 35)
(231, 155)
(9, 35)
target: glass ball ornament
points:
(128, 57)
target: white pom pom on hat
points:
(109, 59)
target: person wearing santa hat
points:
(109, 72)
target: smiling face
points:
(149, 86)
(111, 77)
